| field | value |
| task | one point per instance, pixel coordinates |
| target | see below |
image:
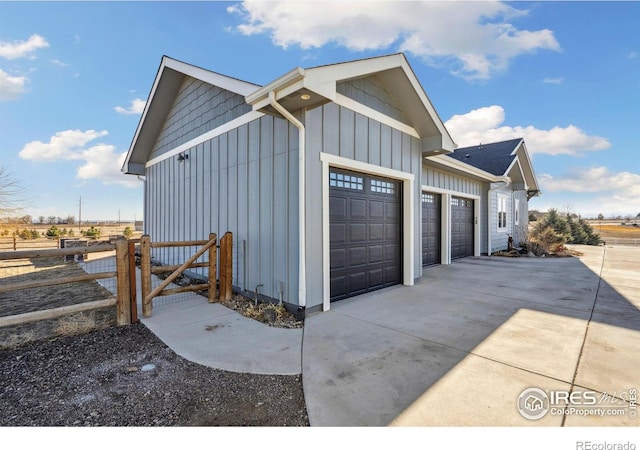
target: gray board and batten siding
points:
(339, 131)
(244, 181)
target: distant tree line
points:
(51, 220)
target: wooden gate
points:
(209, 246)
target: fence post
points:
(15, 242)
(133, 287)
(226, 265)
(213, 269)
(123, 305)
(145, 273)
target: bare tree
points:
(11, 193)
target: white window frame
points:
(502, 217)
(516, 211)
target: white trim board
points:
(231, 125)
(408, 214)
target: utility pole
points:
(80, 214)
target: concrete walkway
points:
(457, 349)
(211, 334)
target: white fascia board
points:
(534, 182)
(352, 69)
(125, 165)
(235, 123)
(278, 84)
(471, 170)
(447, 140)
(230, 84)
(515, 162)
(358, 107)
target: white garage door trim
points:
(408, 206)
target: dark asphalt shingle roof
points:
(494, 158)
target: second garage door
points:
(365, 233)
(461, 227)
(430, 228)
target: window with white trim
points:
(502, 212)
(516, 211)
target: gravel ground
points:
(126, 376)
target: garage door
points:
(365, 233)
(430, 229)
(461, 227)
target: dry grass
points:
(616, 231)
(80, 323)
(274, 315)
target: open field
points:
(106, 230)
(618, 234)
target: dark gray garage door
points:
(430, 229)
(461, 227)
(365, 233)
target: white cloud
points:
(595, 190)
(594, 179)
(99, 161)
(485, 125)
(11, 87)
(57, 62)
(633, 55)
(549, 80)
(22, 49)
(136, 107)
(483, 45)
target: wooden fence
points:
(122, 273)
(209, 246)
(125, 274)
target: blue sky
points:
(563, 75)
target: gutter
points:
(302, 251)
(506, 181)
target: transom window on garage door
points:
(428, 198)
(383, 187)
(342, 180)
(455, 201)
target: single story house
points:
(335, 180)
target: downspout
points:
(493, 187)
(302, 276)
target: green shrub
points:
(53, 232)
(92, 232)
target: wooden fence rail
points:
(125, 274)
(122, 274)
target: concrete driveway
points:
(459, 347)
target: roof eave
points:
(452, 163)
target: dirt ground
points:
(125, 376)
(81, 370)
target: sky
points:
(75, 76)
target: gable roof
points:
(506, 158)
(494, 158)
(319, 84)
(168, 80)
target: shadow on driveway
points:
(459, 347)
